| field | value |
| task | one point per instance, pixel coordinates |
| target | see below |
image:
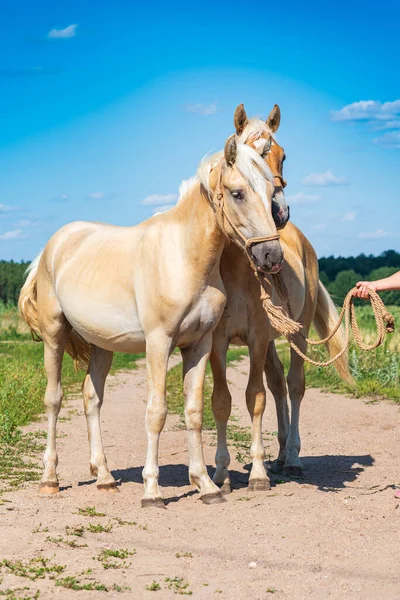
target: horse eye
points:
(238, 194)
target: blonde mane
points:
(255, 127)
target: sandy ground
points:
(333, 534)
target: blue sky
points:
(106, 106)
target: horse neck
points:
(203, 240)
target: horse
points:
(97, 289)
(245, 322)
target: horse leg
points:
(221, 407)
(194, 368)
(275, 375)
(255, 400)
(158, 350)
(296, 385)
(53, 355)
(93, 394)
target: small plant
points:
(40, 529)
(271, 590)
(179, 585)
(184, 555)
(60, 541)
(36, 568)
(153, 587)
(75, 530)
(121, 522)
(99, 528)
(90, 511)
(105, 556)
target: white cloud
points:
(324, 179)
(63, 34)
(96, 196)
(374, 235)
(204, 110)
(16, 234)
(302, 198)
(159, 199)
(350, 216)
(389, 140)
(27, 223)
(318, 227)
(368, 110)
(6, 208)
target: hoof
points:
(259, 485)
(108, 487)
(293, 472)
(215, 498)
(48, 488)
(224, 487)
(153, 502)
(277, 466)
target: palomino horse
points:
(151, 287)
(245, 322)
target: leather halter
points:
(217, 201)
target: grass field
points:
(22, 386)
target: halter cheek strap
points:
(219, 205)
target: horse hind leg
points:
(276, 382)
(54, 337)
(93, 394)
(296, 385)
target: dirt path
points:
(335, 534)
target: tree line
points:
(338, 274)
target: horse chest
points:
(203, 316)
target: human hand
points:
(363, 288)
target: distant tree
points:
(344, 281)
(12, 276)
(324, 278)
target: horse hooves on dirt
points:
(48, 488)
(108, 487)
(224, 487)
(293, 471)
(259, 485)
(153, 502)
(215, 498)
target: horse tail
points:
(76, 346)
(325, 319)
(27, 303)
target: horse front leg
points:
(194, 367)
(255, 400)
(158, 350)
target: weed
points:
(99, 528)
(90, 511)
(271, 590)
(184, 555)
(36, 568)
(76, 530)
(106, 554)
(179, 585)
(60, 541)
(40, 529)
(153, 587)
(73, 583)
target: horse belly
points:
(115, 328)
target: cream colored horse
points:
(151, 287)
(245, 322)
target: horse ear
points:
(240, 119)
(274, 119)
(230, 151)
